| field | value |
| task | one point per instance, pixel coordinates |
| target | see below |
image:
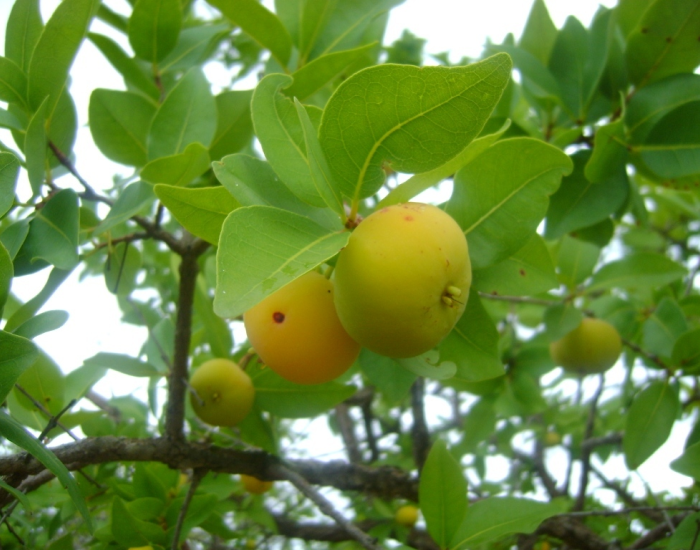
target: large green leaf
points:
(528, 271)
(391, 379)
(9, 170)
(132, 73)
(45, 321)
(664, 41)
(154, 27)
(406, 118)
(35, 145)
(15, 432)
(539, 33)
(45, 382)
(56, 49)
(201, 211)
(689, 462)
(180, 169)
(639, 270)
(578, 203)
(649, 422)
(473, 344)
(193, 46)
(18, 354)
(686, 350)
(13, 82)
(53, 233)
(442, 493)
(496, 517)
(260, 24)
(121, 269)
(23, 30)
(500, 197)
(609, 153)
(288, 400)
(217, 331)
(28, 310)
(234, 128)
(662, 327)
(576, 260)
(261, 249)
(121, 363)
(6, 273)
(188, 114)
(420, 182)
(132, 200)
(119, 123)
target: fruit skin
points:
(226, 392)
(406, 515)
(254, 485)
(592, 347)
(552, 438)
(403, 279)
(296, 332)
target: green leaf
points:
(28, 310)
(420, 182)
(406, 118)
(131, 531)
(253, 182)
(528, 271)
(216, 330)
(154, 27)
(479, 424)
(13, 82)
(494, 518)
(261, 249)
(121, 269)
(663, 327)
(390, 378)
(473, 344)
(19, 495)
(313, 76)
(576, 260)
(609, 153)
(193, 46)
(10, 121)
(16, 433)
(672, 147)
(260, 24)
(178, 170)
(442, 494)
(45, 382)
(43, 322)
(35, 144)
(22, 32)
(6, 273)
(80, 380)
(201, 211)
(664, 41)
(649, 422)
(685, 534)
(655, 101)
(9, 170)
(689, 462)
(539, 33)
(638, 270)
(500, 197)
(125, 364)
(578, 203)
(282, 137)
(288, 400)
(429, 365)
(53, 233)
(130, 202)
(686, 350)
(561, 319)
(56, 49)
(188, 114)
(119, 123)
(234, 128)
(132, 73)
(18, 354)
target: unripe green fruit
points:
(403, 280)
(592, 347)
(297, 333)
(225, 393)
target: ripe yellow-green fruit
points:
(552, 438)
(402, 282)
(224, 392)
(297, 333)
(254, 485)
(406, 515)
(592, 347)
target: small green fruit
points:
(225, 393)
(592, 347)
(406, 515)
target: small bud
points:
(447, 301)
(454, 291)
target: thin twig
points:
(197, 476)
(518, 299)
(53, 420)
(347, 432)
(586, 453)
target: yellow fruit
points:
(552, 438)
(403, 280)
(592, 347)
(225, 393)
(297, 333)
(254, 485)
(406, 515)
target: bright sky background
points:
(458, 26)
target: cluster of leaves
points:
(574, 183)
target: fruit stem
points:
(328, 272)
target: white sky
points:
(458, 26)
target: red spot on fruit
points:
(408, 218)
(278, 317)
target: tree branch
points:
(419, 430)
